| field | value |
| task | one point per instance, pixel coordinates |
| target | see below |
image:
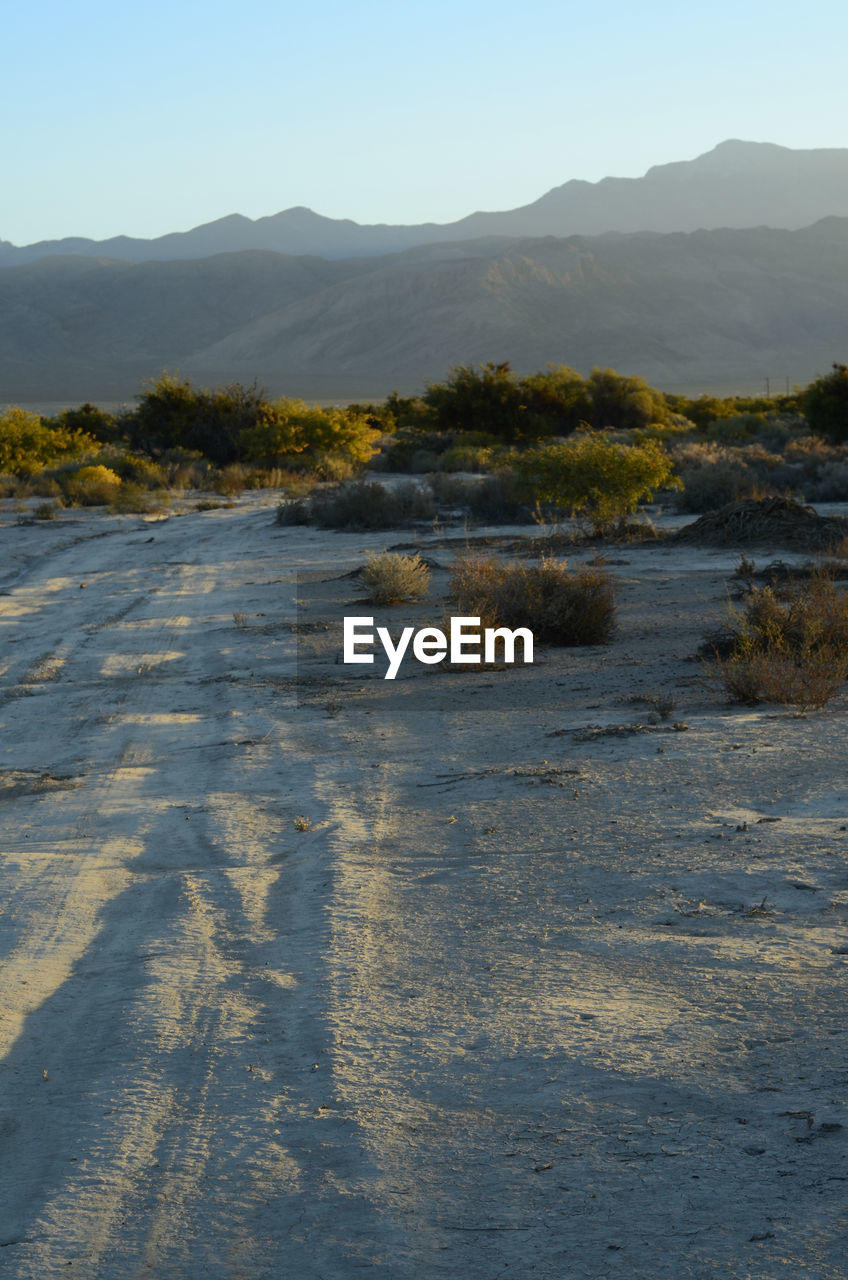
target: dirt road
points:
(303, 979)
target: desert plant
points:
(287, 428)
(625, 402)
(367, 504)
(492, 499)
(791, 649)
(92, 486)
(27, 443)
(825, 404)
(172, 413)
(89, 420)
(592, 477)
(560, 607)
(136, 499)
(391, 578)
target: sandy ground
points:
(546, 989)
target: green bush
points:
(625, 403)
(487, 398)
(93, 486)
(89, 420)
(559, 607)
(825, 404)
(288, 428)
(590, 476)
(135, 469)
(27, 443)
(172, 413)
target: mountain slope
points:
(738, 184)
(675, 308)
(75, 322)
(702, 307)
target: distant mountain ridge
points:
(694, 308)
(736, 185)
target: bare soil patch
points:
(531, 971)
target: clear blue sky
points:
(143, 119)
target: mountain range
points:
(726, 269)
(738, 184)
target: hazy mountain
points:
(676, 308)
(75, 326)
(738, 184)
(698, 308)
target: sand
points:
(470, 974)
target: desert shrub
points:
(493, 499)
(27, 443)
(90, 421)
(407, 448)
(705, 410)
(228, 480)
(364, 504)
(296, 511)
(333, 468)
(136, 499)
(491, 398)
(94, 486)
(712, 476)
(391, 578)
(46, 511)
(297, 484)
(45, 485)
(287, 428)
(736, 428)
(830, 483)
(589, 476)
(790, 648)
(560, 607)
(172, 413)
(825, 404)
(624, 402)
(484, 398)
(459, 457)
(135, 469)
(423, 461)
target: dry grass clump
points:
(491, 499)
(392, 578)
(791, 650)
(560, 606)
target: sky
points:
(141, 120)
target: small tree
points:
(588, 475)
(87, 418)
(626, 403)
(825, 405)
(288, 428)
(173, 414)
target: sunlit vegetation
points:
(488, 444)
